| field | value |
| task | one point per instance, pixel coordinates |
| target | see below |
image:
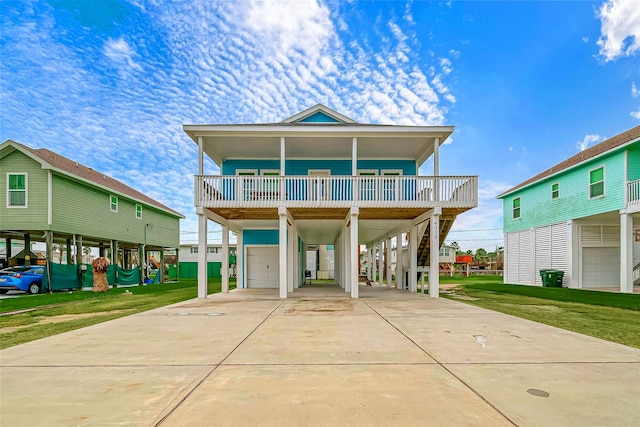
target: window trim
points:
(26, 191)
(111, 197)
(604, 178)
(138, 211)
(557, 196)
(513, 208)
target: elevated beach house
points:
(320, 178)
(581, 216)
(49, 198)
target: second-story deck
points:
(218, 191)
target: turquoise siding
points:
(319, 117)
(633, 162)
(302, 167)
(537, 208)
(260, 237)
(36, 215)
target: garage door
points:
(262, 267)
(600, 267)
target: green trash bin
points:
(545, 276)
(555, 278)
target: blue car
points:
(29, 280)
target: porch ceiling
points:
(222, 142)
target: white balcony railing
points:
(633, 192)
(335, 191)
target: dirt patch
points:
(61, 318)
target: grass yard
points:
(606, 315)
(51, 314)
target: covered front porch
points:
(288, 236)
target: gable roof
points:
(317, 112)
(50, 160)
(630, 136)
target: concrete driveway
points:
(320, 358)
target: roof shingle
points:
(79, 170)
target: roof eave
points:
(561, 171)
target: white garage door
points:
(262, 267)
(600, 267)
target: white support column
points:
(354, 157)
(200, 156)
(369, 262)
(296, 259)
(388, 258)
(355, 252)
(626, 253)
(290, 257)
(202, 256)
(337, 261)
(346, 232)
(413, 257)
(434, 267)
(383, 257)
(570, 276)
(374, 263)
(224, 270)
(240, 261)
(282, 251)
(399, 260)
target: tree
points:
(481, 254)
(100, 266)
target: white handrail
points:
(633, 192)
(335, 191)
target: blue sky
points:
(526, 84)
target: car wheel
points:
(34, 288)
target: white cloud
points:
(589, 140)
(634, 90)
(204, 62)
(121, 53)
(620, 31)
(291, 24)
(635, 114)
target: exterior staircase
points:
(424, 248)
(636, 274)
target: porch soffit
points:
(304, 141)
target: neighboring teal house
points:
(48, 198)
(581, 216)
(320, 178)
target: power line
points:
(471, 231)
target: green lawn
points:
(609, 316)
(51, 314)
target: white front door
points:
(262, 267)
(319, 187)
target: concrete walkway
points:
(247, 358)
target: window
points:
(444, 252)
(139, 211)
(555, 191)
(516, 208)
(17, 190)
(596, 183)
(194, 250)
(212, 250)
(114, 204)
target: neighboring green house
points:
(581, 216)
(48, 198)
